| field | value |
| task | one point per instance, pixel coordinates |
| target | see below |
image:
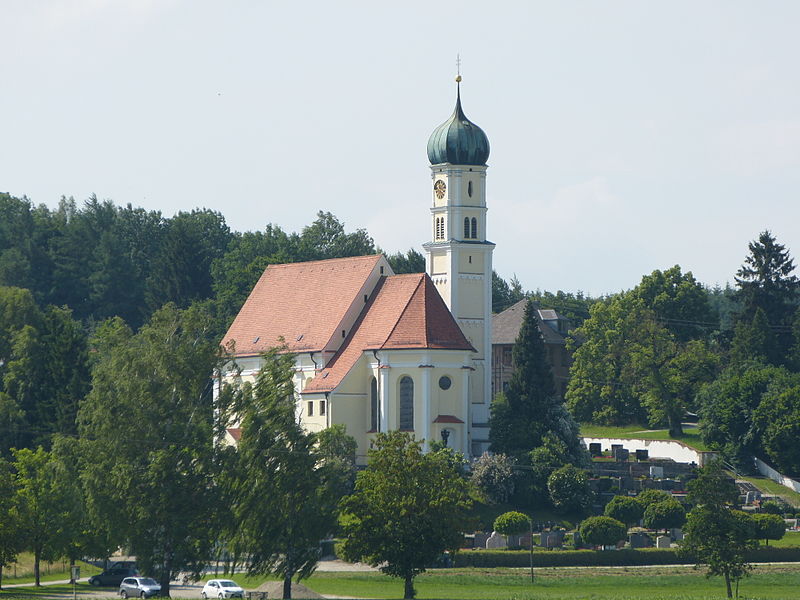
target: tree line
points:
(669, 348)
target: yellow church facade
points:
(375, 351)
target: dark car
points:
(139, 587)
(112, 577)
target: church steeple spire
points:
(458, 140)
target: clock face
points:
(439, 187)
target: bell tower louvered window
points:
(474, 228)
(466, 227)
(407, 404)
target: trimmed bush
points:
(592, 558)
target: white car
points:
(221, 588)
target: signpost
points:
(75, 574)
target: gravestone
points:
(595, 449)
(621, 455)
(676, 534)
(750, 498)
(642, 455)
(525, 540)
(656, 472)
(663, 541)
(636, 485)
(640, 540)
(496, 541)
(552, 539)
(480, 539)
(667, 485)
(614, 448)
(576, 540)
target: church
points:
(376, 351)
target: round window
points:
(444, 382)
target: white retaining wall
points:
(677, 451)
(768, 471)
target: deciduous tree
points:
(408, 507)
(624, 509)
(146, 437)
(716, 535)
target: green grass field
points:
(562, 584)
(774, 582)
(22, 570)
(773, 488)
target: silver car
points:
(139, 587)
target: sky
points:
(626, 136)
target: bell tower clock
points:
(459, 257)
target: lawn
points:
(773, 488)
(22, 570)
(773, 582)
(564, 584)
(691, 435)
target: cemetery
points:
(619, 471)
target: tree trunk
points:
(1, 576)
(408, 593)
(166, 574)
(36, 555)
(728, 584)
(675, 426)
(287, 588)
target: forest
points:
(668, 348)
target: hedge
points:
(596, 558)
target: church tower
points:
(459, 257)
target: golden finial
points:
(458, 68)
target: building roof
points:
(506, 325)
(403, 312)
(458, 140)
(303, 303)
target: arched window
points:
(373, 405)
(406, 404)
(466, 227)
(469, 189)
(474, 228)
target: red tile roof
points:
(447, 419)
(403, 312)
(301, 302)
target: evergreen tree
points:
(754, 341)
(529, 422)
(765, 281)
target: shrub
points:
(624, 509)
(512, 523)
(769, 527)
(602, 531)
(665, 515)
(592, 558)
(493, 476)
(648, 497)
(569, 489)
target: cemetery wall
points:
(768, 471)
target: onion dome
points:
(458, 140)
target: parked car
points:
(139, 587)
(112, 577)
(221, 588)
